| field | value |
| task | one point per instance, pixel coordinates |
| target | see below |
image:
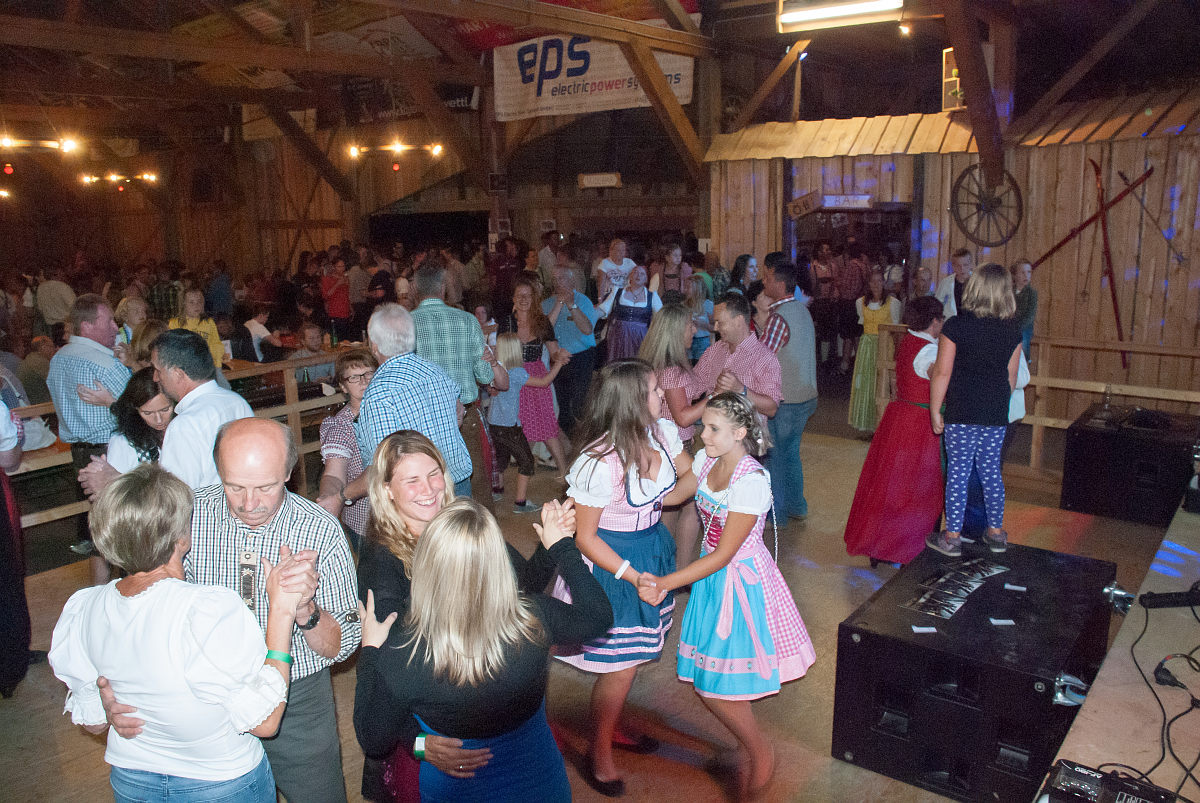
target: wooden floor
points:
(44, 757)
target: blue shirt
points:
(408, 392)
(81, 362)
(507, 404)
(565, 331)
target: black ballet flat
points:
(643, 746)
(615, 788)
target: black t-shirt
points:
(979, 391)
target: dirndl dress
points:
(631, 525)
(627, 327)
(536, 407)
(742, 636)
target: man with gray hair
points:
(250, 514)
(408, 392)
(453, 339)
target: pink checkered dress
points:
(742, 635)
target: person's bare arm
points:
(939, 382)
(333, 480)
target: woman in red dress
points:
(899, 495)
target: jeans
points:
(134, 786)
(463, 488)
(783, 461)
(571, 386)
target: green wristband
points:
(277, 655)
(419, 746)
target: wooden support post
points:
(796, 80)
(311, 152)
(963, 29)
(1071, 77)
(1003, 37)
(1040, 406)
(291, 396)
(666, 106)
(764, 89)
(675, 16)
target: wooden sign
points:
(813, 201)
(598, 180)
(805, 204)
(847, 202)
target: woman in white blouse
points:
(191, 658)
(142, 412)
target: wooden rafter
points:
(666, 106)
(59, 83)
(434, 31)
(1090, 59)
(764, 89)
(54, 35)
(675, 16)
(84, 117)
(560, 19)
(311, 152)
(431, 105)
(963, 30)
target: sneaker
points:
(83, 548)
(966, 539)
(939, 542)
(996, 543)
(497, 495)
(526, 507)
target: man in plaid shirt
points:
(88, 362)
(453, 339)
(738, 362)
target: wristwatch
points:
(312, 622)
(745, 390)
(342, 495)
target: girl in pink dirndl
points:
(742, 636)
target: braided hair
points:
(740, 412)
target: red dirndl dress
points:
(899, 495)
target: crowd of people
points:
(670, 397)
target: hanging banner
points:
(575, 75)
(375, 100)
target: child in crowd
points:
(487, 323)
(719, 644)
(979, 353)
(508, 439)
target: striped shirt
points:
(218, 537)
(83, 361)
(453, 339)
(408, 392)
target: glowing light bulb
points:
(6, 142)
(68, 145)
(354, 152)
(5, 194)
(905, 29)
(397, 146)
(436, 150)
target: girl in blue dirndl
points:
(742, 636)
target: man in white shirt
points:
(950, 289)
(257, 326)
(184, 368)
(614, 269)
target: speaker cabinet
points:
(969, 711)
(1128, 463)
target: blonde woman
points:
(195, 319)
(979, 353)
(409, 485)
(470, 658)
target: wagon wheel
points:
(989, 217)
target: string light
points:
(436, 150)
(68, 145)
(396, 147)
(5, 194)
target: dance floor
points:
(44, 757)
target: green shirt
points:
(453, 339)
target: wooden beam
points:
(35, 83)
(666, 106)
(311, 152)
(1090, 59)
(771, 81)
(963, 30)
(797, 78)
(675, 16)
(82, 118)
(54, 35)
(436, 33)
(515, 134)
(1003, 37)
(431, 105)
(559, 19)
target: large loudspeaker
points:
(1128, 463)
(969, 711)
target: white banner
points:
(575, 75)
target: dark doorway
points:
(421, 229)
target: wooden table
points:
(1120, 721)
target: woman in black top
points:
(976, 370)
(470, 659)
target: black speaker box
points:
(969, 711)
(1128, 463)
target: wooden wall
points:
(1159, 295)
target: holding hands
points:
(292, 581)
(649, 591)
(558, 522)
(727, 381)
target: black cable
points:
(1185, 777)
(1186, 769)
(1139, 775)
(1162, 738)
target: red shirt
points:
(776, 334)
(336, 292)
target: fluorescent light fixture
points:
(794, 16)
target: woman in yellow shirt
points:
(875, 307)
(194, 319)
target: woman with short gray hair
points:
(191, 658)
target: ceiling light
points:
(68, 145)
(436, 150)
(905, 29)
(397, 146)
(793, 15)
(6, 142)
(354, 151)
(5, 194)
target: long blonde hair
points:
(663, 345)
(387, 525)
(508, 350)
(465, 608)
(989, 294)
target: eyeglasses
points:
(358, 379)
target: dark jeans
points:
(571, 386)
(783, 461)
(306, 755)
(511, 442)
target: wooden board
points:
(929, 134)
(869, 136)
(898, 134)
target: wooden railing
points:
(1041, 383)
(291, 412)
